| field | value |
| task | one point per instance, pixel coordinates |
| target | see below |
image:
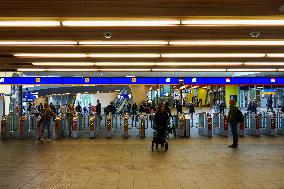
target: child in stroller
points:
(160, 126)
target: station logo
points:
(2, 80)
(37, 80)
(193, 80)
(133, 80)
(168, 80)
(87, 80)
(272, 80)
(228, 80)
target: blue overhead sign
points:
(37, 80)
(232, 81)
(6, 80)
(133, 80)
(141, 81)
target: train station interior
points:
(141, 94)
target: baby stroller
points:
(160, 137)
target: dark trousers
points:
(234, 129)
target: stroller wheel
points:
(166, 146)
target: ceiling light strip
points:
(187, 70)
(232, 22)
(213, 55)
(229, 42)
(38, 43)
(252, 70)
(120, 23)
(114, 43)
(30, 23)
(63, 63)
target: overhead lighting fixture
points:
(125, 63)
(188, 70)
(212, 55)
(122, 43)
(252, 70)
(229, 42)
(37, 43)
(119, 23)
(281, 70)
(51, 55)
(125, 70)
(31, 70)
(264, 63)
(233, 22)
(121, 55)
(63, 63)
(199, 63)
(275, 55)
(54, 70)
(70, 70)
(30, 23)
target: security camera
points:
(107, 34)
(255, 34)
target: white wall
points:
(6, 89)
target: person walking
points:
(99, 110)
(47, 115)
(235, 117)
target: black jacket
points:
(161, 119)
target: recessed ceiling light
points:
(229, 42)
(125, 55)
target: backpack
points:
(240, 116)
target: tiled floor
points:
(117, 163)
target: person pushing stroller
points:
(160, 126)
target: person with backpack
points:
(235, 117)
(47, 115)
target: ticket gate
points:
(13, 123)
(5, 132)
(280, 124)
(74, 128)
(269, 126)
(125, 126)
(220, 124)
(108, 126)
(31, 124)
(205, 124)
(23, 130)
(57, 128)
(184, 126)
(254, 124)
(92, 126)
(64, 126)
(142, 126)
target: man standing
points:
(99, 109)
(235, 116)
(78, 108)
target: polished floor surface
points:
(198, 162)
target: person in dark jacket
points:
(78, 108)
(167, 109)
(161, 117)
(99, 109)
(233, 121)
(179, 107)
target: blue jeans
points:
(46, 125)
